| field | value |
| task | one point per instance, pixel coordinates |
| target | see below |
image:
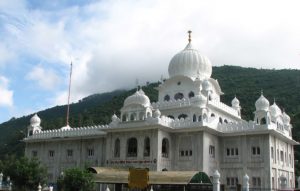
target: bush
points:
(25, 174)
(76, 179)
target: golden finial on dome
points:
(190, 39)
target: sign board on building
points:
(138, 178)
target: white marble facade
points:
(189, 128)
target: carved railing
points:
(72, 132)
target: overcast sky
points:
(113, 43)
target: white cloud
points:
(112, 43)
(6, 55)
(46, 79)
(6, 95)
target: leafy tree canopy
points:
(25, 174)
(76, 179)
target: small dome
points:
(35, 120)
(139, 98)
(235, 102)
(206, 85)
(262, 103)
(275, 110)
(286, 118)
(67, 127)
(156, 113)
(189, 62)
(201, 100)
(114, 117)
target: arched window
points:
(124, 117)
(209, 97)
(171, 116)
(182, 116)
(194, 118)
(148, 114)
(178, 96)
(220, 120)
(117, 148)
(263, 121)
(204, 118)
(133, 117)
(225, 121)
(132, 147)
(165, 148)
(191, 94)
(147, 147)
(212, 115)
(30, 132)
(142, 116)
(200, 118)
(167, 98)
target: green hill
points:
(12, 131)
(245, 83)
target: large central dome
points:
(189, 62)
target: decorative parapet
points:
(187, 102)
(248, 126)
(239, 126)
(73, 132)
(223, 107)
(171, 104)
(166, 122)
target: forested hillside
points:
(245, 83)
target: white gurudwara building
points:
(187, 129)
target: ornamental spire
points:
(190, 38)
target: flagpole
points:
(68, 107)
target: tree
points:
(76, 179)
(25, 174)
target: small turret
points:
(286, 119)
(275, 111)
(262, 113)
(235, 104)
(35, 125)
(262, 104)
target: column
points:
(283, 182)
(151, 189)
(1, 179)
(10, 186)
(39, 187)
(216, 181)
(246, 183)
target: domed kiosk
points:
(136, 107)
(35, 125)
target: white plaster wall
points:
(55, 165)
(193, 162)
(138, 161)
